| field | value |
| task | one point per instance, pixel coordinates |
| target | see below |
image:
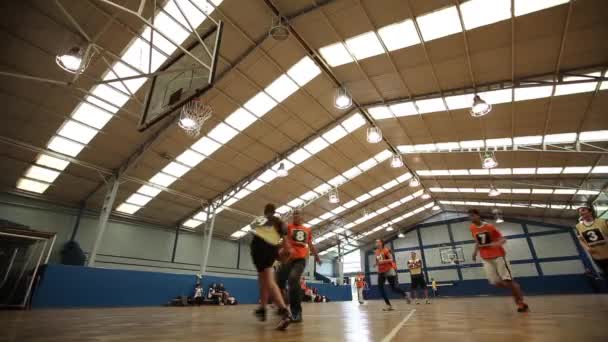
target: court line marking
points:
(396, 329)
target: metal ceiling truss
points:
(576, 147)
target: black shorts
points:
(603, 265)
(263, 254)
(418, 282)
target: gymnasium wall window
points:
(352, 262)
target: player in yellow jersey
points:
(268, 232)
(593, 234)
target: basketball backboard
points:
(451, 255)
(182, 78)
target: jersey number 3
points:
(483, 238)
(593, 236)
(299, 236)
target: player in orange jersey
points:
(489, 243)
(361, 285)
(387, 270)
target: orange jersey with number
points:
(299, 237)
(360, 282)
(384, 254)
(484, 235)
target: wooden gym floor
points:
(553, 318)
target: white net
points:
(193, 116)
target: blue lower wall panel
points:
(561, 284)
(76, 286)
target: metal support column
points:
(210, 226)
(106, 210)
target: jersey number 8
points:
(299, 236)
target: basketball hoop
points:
(193, 116)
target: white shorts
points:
(497, 269)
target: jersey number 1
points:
(483, 238)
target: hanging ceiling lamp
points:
(480, 107)
(374, 135)
(342, 100)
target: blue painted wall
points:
(548, 258)
(75, 286)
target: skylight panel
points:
(368, 164)
(175, 169)
(314, 221)
(523, 7)
(425, 147)
(327, 215)
(323, 188)
(418, 210)
(299, 156)
(477, 172)
(77, 132)
(363, 198)
(110, 95)
(364, 45)
(574, 88)
(424, 173)
(281, 88)
(406, 149)
(162, 179)
(501, 142)
(350, 204)
(472, 144)
(304, 71)
(127, 208)
(563, 138)
(41, 174)
(190, 158)
(542, 191)
(430, 105)
(382, 156)
(399, 35)
(242, 193)
(501, 171)
(340, 231)
(577, 169)
(497, 96)
(477, 13)
(361, 220)
(101, 104)
(335, 134)
(504, 190)
(254, 185)
(238, 234)
(466, 190)
(558, 206)
(528, 140)
(192, 223)
(462, 172)
(435, 190)
(439, 24)
(309, 196)
(524, 171)
(316, 145)
(404, 177)
(459, 101)
(376, 191)
(531, 93)
(564, 191)
(139, 200)
(600, 169)
(352, 173)
(336, 54)
(260, 104)
(295, 203)
(267, 176)
(338, 210)
(390, 184)
(440, 172)
(548, 170)
(65, 146)
(52, 162)
(284, 209)
(593, 136)
(380, 112)
(450, 190)
(206, 146)
(394, 204)
(149, 190)
(338, 180)
(91, 115)
(587, 192)
(240, 119)
(353, 122)
(230, 201)
(222, 133)
(403, 109)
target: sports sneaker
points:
(407, 299)
(388, 308)
(285, 319)
(417, 302)
(260, 314)
(522, 307)
(427, 301)
(297, 318)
